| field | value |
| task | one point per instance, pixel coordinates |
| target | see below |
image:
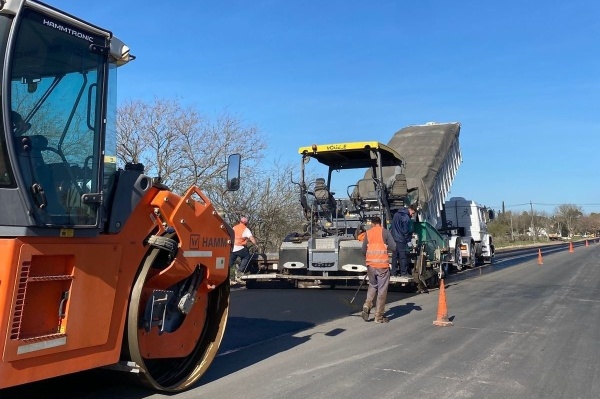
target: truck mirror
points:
(234, 163)
(491, 214)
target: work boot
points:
(382, 319)
(365, 313)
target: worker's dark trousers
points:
(244, 256)
(379, 280)
(399, 259)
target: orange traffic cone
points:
(442, 314)
(540, 259)
(586, 243)
(570, 247)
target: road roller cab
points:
(99, 265)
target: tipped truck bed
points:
(431, 153)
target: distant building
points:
(539, 232)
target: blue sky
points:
(523, 79)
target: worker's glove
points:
(409, 245)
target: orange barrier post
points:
(570, 247)
(540, 259)
(442, 314)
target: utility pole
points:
(532, 226)
(512, 232)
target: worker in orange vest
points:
(361, 234)
(378, 241)
(242, 236)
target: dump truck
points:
(432, 155)
(469, 239)
(100, 266)
(417, 167)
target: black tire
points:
(433, 281)
(472, 261)
(457, 255)
(165, 243)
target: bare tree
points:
(589, 224)
(130, 132)
(185, 148)
(595, 221)
(500, 228)
(569, 214)
(271, 201)
(541, 224)
(182, 147)
(212, 141)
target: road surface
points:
(521, 330)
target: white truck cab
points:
(469, 241)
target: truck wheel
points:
(472, 261)
(174, 361)
(433, 281)
(458, 257)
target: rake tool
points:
(359, 287)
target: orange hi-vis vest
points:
(239, 230)
(377, 253)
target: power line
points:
(544, 204)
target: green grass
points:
(499, 244)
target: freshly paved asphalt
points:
(521, 330)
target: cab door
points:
(58, 74)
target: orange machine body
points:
(64, 301)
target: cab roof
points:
(351, 155)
